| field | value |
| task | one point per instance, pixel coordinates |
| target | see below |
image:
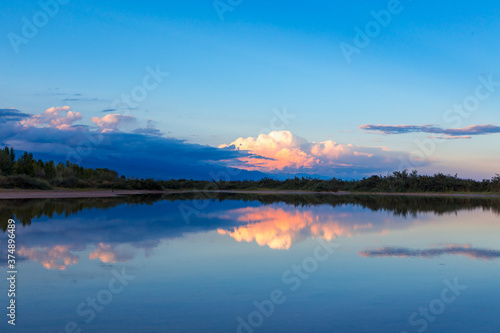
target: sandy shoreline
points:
(67, 194)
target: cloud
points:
(63, 94)
(108, 110)
(56, 257)
(112, 122)
(452, 133)
(83, 100)
(144, 154)
(118, 144)
(57, 117)
(108, 253)
(284, 152)
(463, 250)
(149, 130)
(8, 115)
(279, 228)
(455, 137)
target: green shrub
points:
(24, 182)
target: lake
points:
(254, 263)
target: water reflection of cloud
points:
(460, 250)
(111, 254)
(280, 227)
(126, 230)
(57, 257)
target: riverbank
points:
(67, 194)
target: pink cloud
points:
(110, 254)
(112, 122)
(57, 117)
(58, 257)
(279, 151)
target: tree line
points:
(28, 173)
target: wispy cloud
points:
(8, 115)
(461, 250)
(450, 133)
(149, 130)
(73, 99)
(454, 137)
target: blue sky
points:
(225, 77)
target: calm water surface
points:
(249, 263)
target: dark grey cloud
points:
(148, 131)
(450, 133)
(7, 115)
(108, 110)
(133, 154)
(462, 250)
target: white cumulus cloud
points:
(112, 122)
(57, 117)
(283, 151)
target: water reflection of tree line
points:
(397, 204)
(23, 211)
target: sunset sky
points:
(194, 89)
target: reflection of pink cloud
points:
(110, 254)
(283, 150)
(57, 257)
(58, 117)
(112, 122)
(278, 228)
